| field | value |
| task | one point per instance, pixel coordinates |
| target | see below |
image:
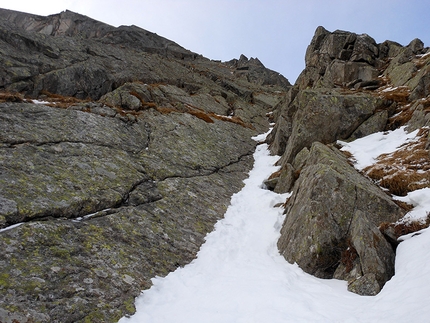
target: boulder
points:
(420, 116)
(375, 123)
(337, 113)
(339, 57)
(374, 252)
(417, 46)
(341, 72)
(365, 50)
(254, 71)
(278, 138)
(331, 208)
(286, 179)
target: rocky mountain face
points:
(120, 150)
(337, 219)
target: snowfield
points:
(240, 277)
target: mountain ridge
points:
(120, 150)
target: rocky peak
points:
(66, 23)
(351, 87)
(254, 71)
(339, 58)
(71, 24)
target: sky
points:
(239, 275)
(275, 31)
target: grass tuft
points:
(348, 257)
(275, 174)
(403, 228)
(398, 94)
(233, 119)
(405, 170)
(11, 97)
(145, 105)
(201, 115)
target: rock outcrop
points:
(351, 87)
(119, 150)
(332, 219)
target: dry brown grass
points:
(349, 156)
(145, 105)
(420, 62)
(405, 170)
(11, 97)
(403, 205)
(209, 116)
(403, 228)
(275, 174)
(348, 257)
(401, 118)
(61, 98)
(166, 110)
(201, 115)
(398, 94)
(232, 119)
(426, 104)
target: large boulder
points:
(338, 58)
(332, 208)
(325, 116)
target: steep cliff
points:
(339, 222)
(119, 151)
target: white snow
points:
(239, 275)
(11, 227)
(420, 199)
(367, 149)
(40, 102)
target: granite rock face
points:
(335, 211)
(351, 87)
(119, 150)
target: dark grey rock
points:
(375, 253)
(286, 179)
(338, 114)
(341, 72)
(366, 285)
(330, 203)
(111, 193)
(375, 123)
(416, 45)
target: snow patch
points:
(239, 275)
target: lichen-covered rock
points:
(341, 73)
(348, 89)
(375, 123)
(98, 197)
(375, 254)
(107, 203)
(339, 57)
(326, 116)
(325, 214)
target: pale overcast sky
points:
(275, 31)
